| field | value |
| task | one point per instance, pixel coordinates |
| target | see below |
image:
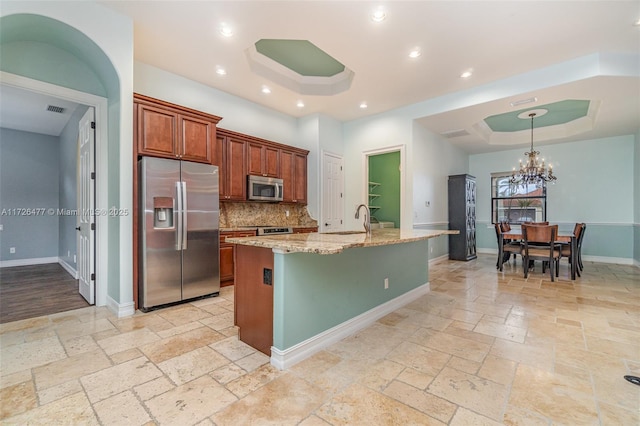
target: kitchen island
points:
(298, 293)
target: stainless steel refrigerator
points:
(179, 240)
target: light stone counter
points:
(332, 243)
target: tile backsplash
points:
(264, 214)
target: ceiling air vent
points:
(454, 133)
(54, 108)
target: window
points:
(517, 203)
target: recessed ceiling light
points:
(467, 74)
(415, 53)
(221, 71)
(226, 30)
(363, 105)
(266, 90)
(378, 15)
(300, 104)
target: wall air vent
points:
(54, 108)
(454, 133)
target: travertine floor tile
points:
(482, 348)
(190, 403)
(426, 402)
(186, 367)
(72, 410)
(121, 377)
(71, 368)
(358, 405)
(162, 350)
(564, 400)
(121, 409)
(284, 401)
(29, 355)
(480, 395)
(17, 399)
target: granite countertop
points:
(331, 243)
(253, 228)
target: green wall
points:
(385, 169)
(317, 292)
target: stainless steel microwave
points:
(260, 188)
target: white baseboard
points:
(439, 258)
(606, 259)
(599, 259)
(283, 359)
(27, 262)
(120, 309)
(70, 269)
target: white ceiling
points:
(498, 40)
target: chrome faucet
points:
(367, 217)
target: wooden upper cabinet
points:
(168, 130)
(157, 131)
(196, 140)
(229, 153)
(262, 160)
(300, 178)
(293, 171)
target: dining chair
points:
(579, 245)
(535, 223)
(505, 227)
(507, 246)
(565, 248)
(539, 243)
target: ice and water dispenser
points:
(162, 212)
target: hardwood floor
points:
(31, 291)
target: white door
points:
(332, 193)
(86, 207)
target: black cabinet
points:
(462, 217)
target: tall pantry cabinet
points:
(462, 217)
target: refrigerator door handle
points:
(184, 215)
(179, 226)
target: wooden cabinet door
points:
(286, 174)
(271, 161)
(236, 171)
(217, 159)
(196, 139)
(255, 162)
(300, 178)
(226, 262)
(293, 172)
(262, 160)
(157, 132)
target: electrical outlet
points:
(286, 213)
(386, 283)
(12, 250)
(427, 203)
(430, 249)
(74, 258)
(1, 227)
(68, 253)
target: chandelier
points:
(533, 171)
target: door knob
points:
(77, 228)
(326, 224)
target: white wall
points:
(434, 159)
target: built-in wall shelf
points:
(373, 196)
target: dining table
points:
(562, 237)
